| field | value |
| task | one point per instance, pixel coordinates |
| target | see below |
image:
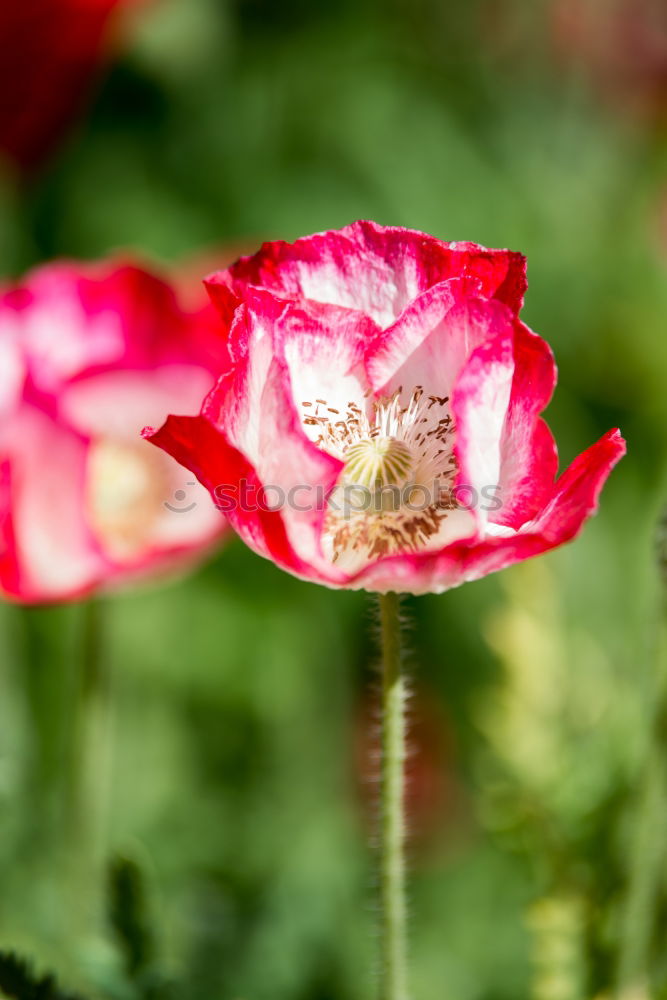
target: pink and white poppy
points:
(378, 425)
(88, 355)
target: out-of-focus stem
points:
(65, 686)
(557, 926)
(648, 854)
(42, 661)
(649, 849)
(393, 937)
(89, 744)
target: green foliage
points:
(128, 916)
(19, 982)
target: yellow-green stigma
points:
(376, 462)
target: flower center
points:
(399, 467)
(378, 462)
(127, 484)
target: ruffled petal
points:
(479, 406)
(433, 339)
(323, 348)
(73, 319)
(574, 498)
(119, 403)
(232, 479)
(58, 334)
(253, 408)
(529, 457)
(200, 447)
(374, 269)
(133, 499)
(13, 371)
(575, 495)
(52, 555)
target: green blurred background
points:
(228, 764)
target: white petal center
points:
(126, 489)
(394, 494)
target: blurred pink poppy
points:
(90, 353)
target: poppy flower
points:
(378, 425)
(89, 354)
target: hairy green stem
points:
(393, 939)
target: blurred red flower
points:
(50, 51)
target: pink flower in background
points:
(50, 51)
(88, 355)
(388, 373)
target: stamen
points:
(401, 460)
